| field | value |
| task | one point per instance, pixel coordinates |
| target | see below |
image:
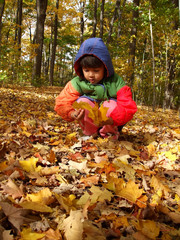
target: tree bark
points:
(18, 32)
(41, 6)
(95, 19)
(102, 19)
(171, 64)
(118, 2)
(2, 4)
(82, 7)
(54, 44)
(132, 45)
(119, 19)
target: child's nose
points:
(91, 73)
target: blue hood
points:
(97, 48)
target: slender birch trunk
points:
(153, 62)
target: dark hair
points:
(90, 61)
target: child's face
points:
(93, 75)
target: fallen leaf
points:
(38, 207)
(15, 215)
(89, 181)
(27, 234)
(29, 165)
(131, 191)
(44, 196)
(12, 189)
(98, 115)
(53, 235)
(73, 225)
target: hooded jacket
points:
(111, 86)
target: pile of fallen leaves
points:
(57, 185)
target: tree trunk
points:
(132, 45)
(102, 19)
(82, 7)
(153, 62)
(119, 19)
(2, 4)
(18, 32)
(118, 2)
(54, 44)
(41, 16)
(95, 19)
(171, 64)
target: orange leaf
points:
(141, 202)
(89, 181)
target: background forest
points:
(39, 40)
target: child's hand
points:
(77, 114)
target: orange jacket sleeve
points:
(64, 101)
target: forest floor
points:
(55, 185)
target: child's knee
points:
(86, 100)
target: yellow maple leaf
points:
(44, 196)
(148, 228)
(99, 195)
(156, 198)
(27, 234)
(120, 221)
(98, 115)
(3, 166)
(38, 207)
(29, 165)
(130, 192)
(157, 185)
(171, 156)
(114, 183)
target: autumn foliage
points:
(57, 185)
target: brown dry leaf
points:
(81, 167)
(93, 231)
(49, 170)
(52, 157)
(53, 235)
(12, 189)
(6, 235)
(15, 215)
(175, 216)
(89, 181)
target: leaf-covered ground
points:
(56, 185)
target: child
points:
(96, 82)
